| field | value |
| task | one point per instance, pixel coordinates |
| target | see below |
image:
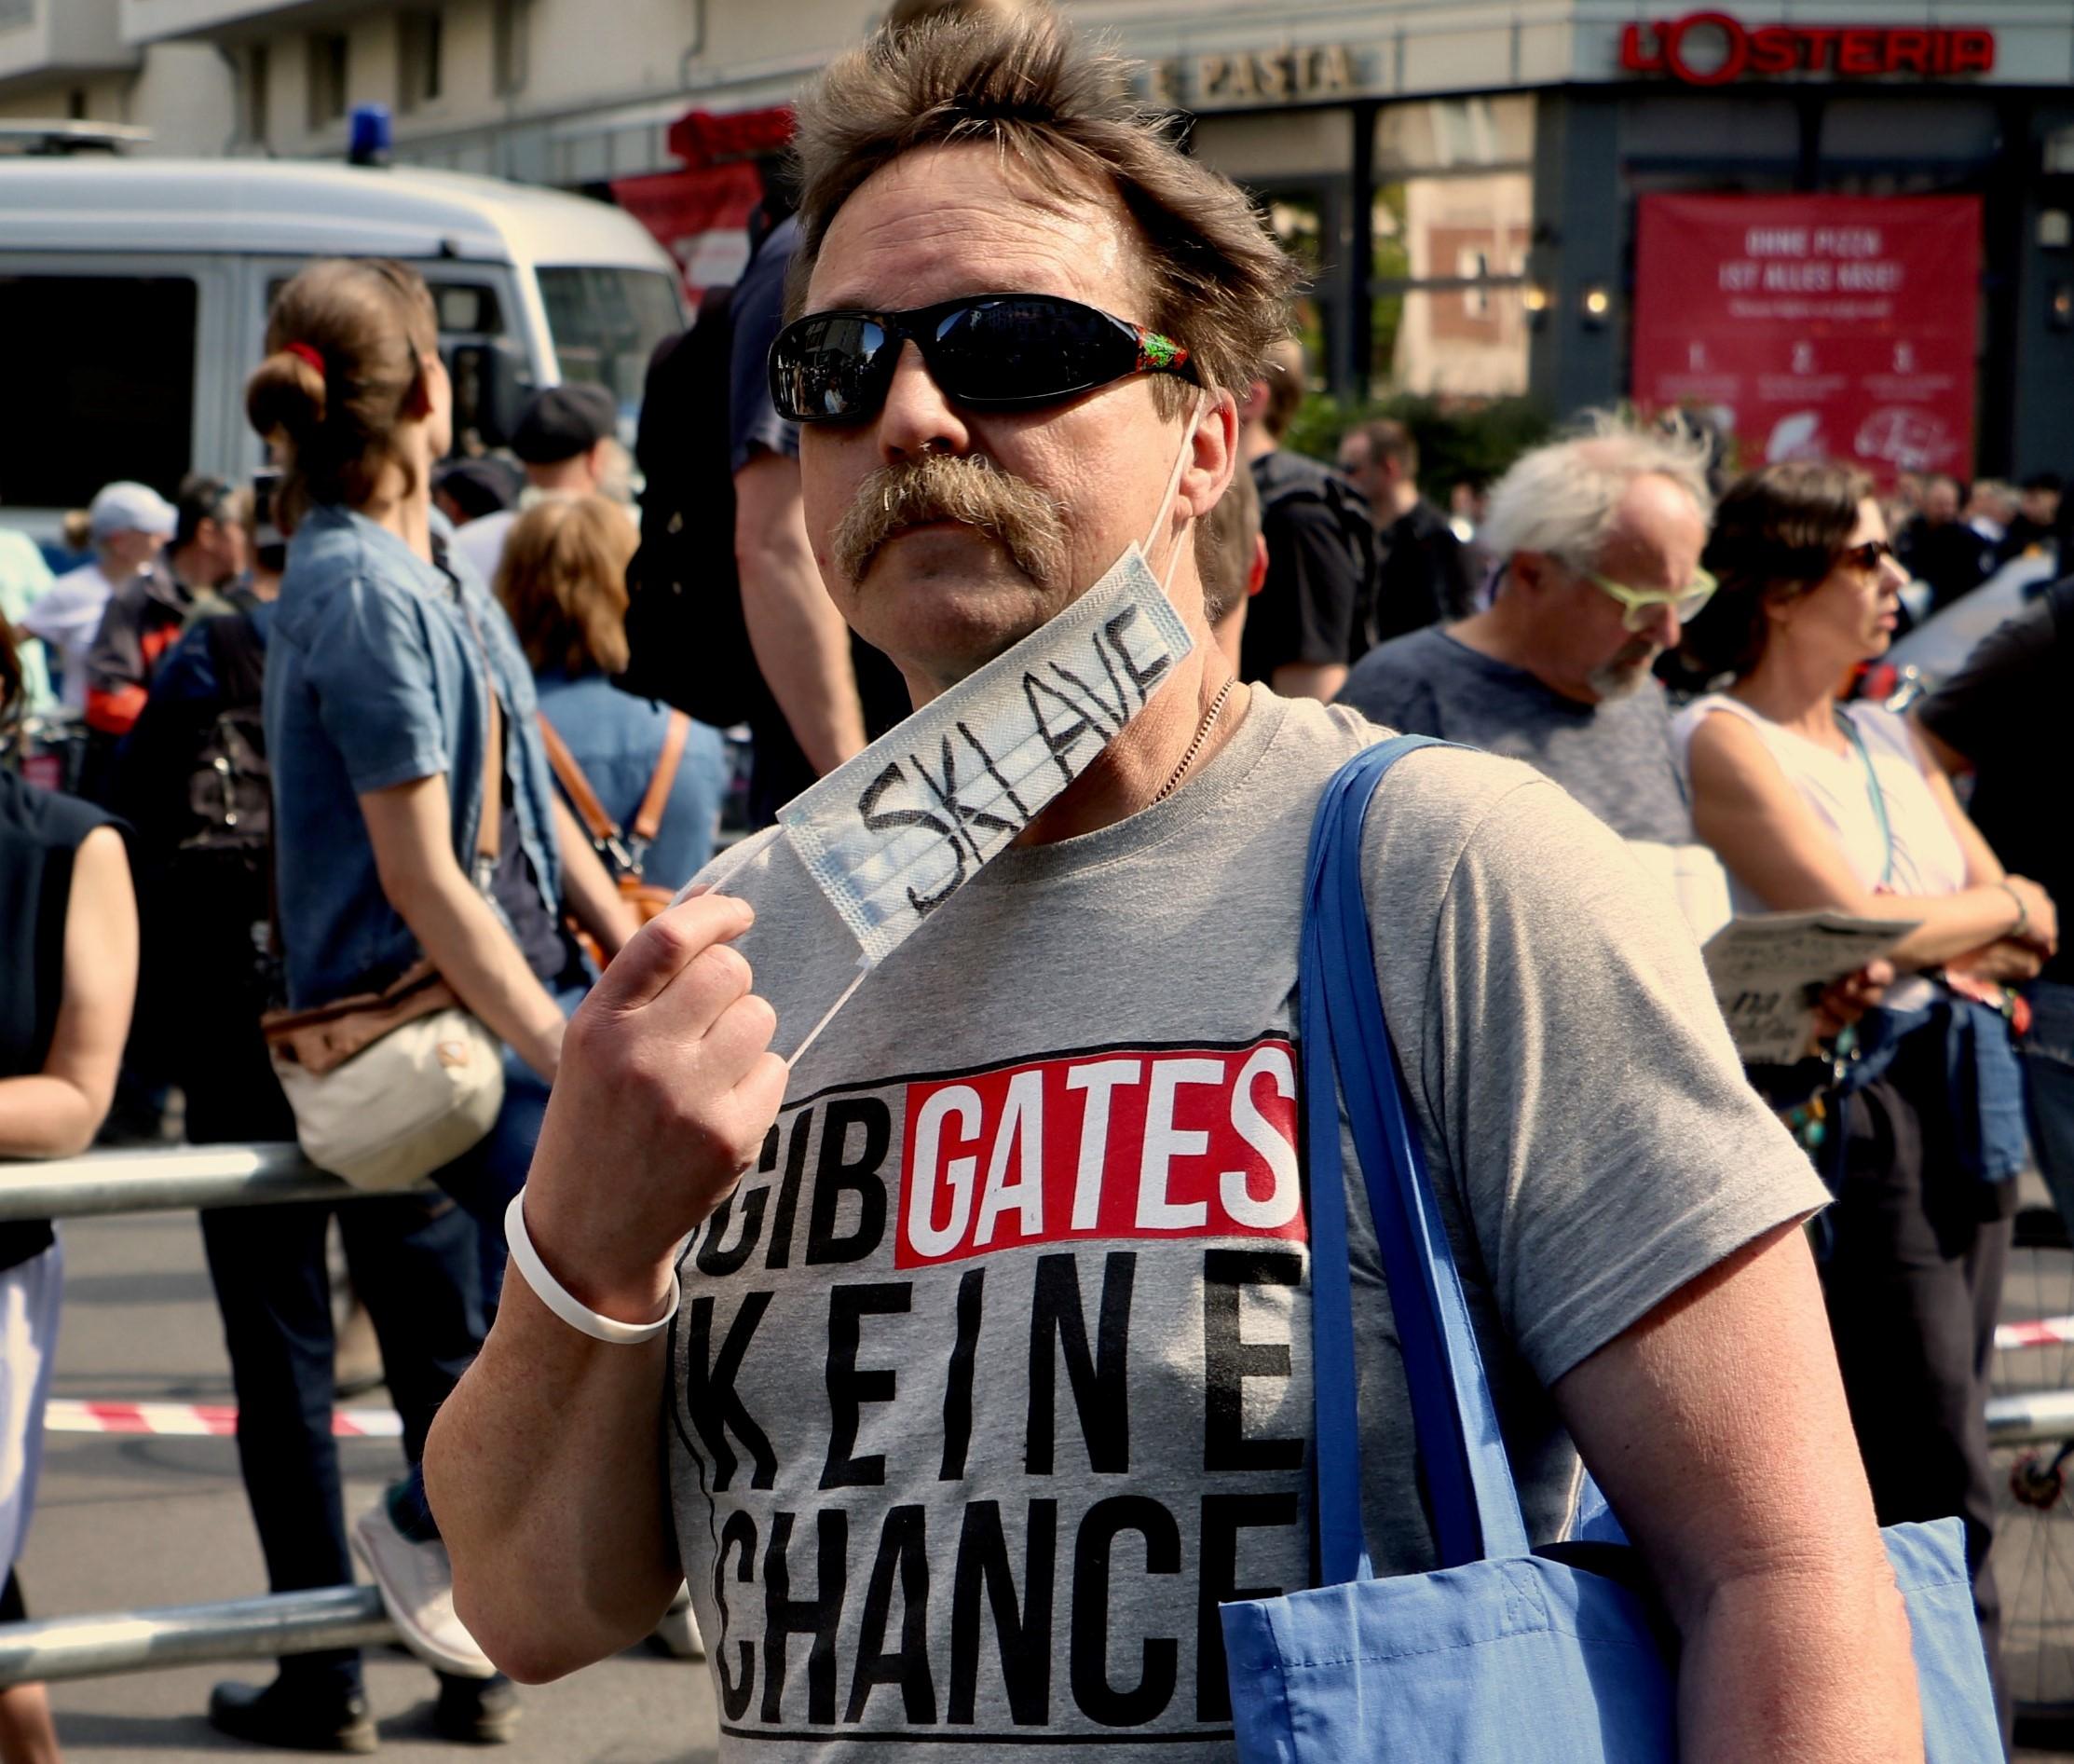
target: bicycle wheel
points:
(2034, 1516)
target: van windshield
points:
(607, 321)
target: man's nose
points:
(917, 417)
(1659, 625)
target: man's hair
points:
(902, 14)
(563, 580)
(1224, 559)
(1064, 119)
(2046, 481)
(1778, 534)
(1282, 371)
(1389, 439)
(201, 496)
(1564, 500)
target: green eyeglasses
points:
(1639, 604)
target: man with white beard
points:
(1601, 536)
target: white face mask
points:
(890, 835)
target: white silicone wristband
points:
(563, 1303)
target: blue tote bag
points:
(1501, 1654)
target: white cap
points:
(127, 507)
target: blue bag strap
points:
(1347, 1048)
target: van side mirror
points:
(491, 385)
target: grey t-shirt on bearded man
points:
(992, 1378)
(1616, 756)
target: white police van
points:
(133, 299)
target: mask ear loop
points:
(1167, 502)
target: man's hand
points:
(667, 1087)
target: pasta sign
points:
(1814, 327)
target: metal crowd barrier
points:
(173, 1178)
(193, 1634)
(176, 1178)
(168, 1178)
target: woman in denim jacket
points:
(384, 654)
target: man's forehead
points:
(945, 221)
(1657, 516)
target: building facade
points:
(1471, 182)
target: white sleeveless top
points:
(1926, 856)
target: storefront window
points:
(1452, 219)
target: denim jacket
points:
(617, 740)
(1983, 1075)
(373, 680)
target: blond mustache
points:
(1021, 518)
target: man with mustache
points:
(984, 1372)
(1557, 670)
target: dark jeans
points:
(483, 1181)
(1913, 1283)
(412, 1263)
(2049, 1070)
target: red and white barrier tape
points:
(2038, 1331)
(68, 1416)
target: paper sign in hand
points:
(1768, 969)
(893, 834)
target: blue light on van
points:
(369, 135)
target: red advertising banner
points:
(1814, 326)
(699, 216)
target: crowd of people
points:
(393, 740)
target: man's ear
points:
(1530, 569)
(1253, 406)
(1213, 455)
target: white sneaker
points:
(416, 1584)
(678, 1631)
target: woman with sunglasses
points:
(1811, 803)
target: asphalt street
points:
(129, 1521)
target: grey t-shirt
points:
(992, 1378)
(1617, 757)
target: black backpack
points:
(230, 801)
(687, 644)
(194, 783)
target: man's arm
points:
(545, 1467)
(1716, 1427)
(801, 641)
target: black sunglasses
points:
(1868, 557)
(994, 351)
